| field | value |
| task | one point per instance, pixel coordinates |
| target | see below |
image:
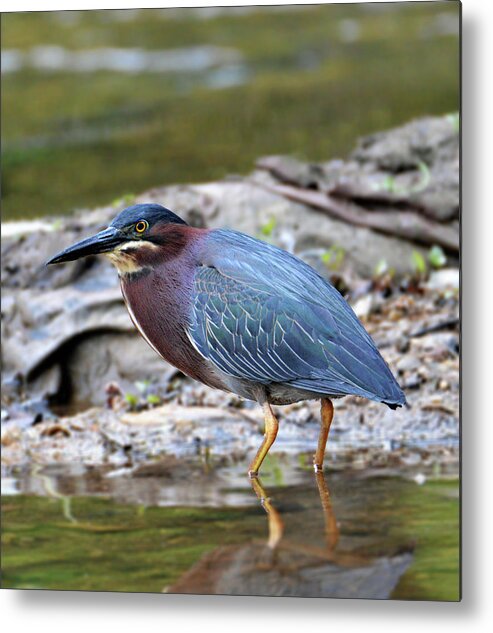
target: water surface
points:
(351, 534)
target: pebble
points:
(402, 344)
(408, 364)
(413, 382)
(447, 278)
(364, 306)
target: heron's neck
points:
(174, 243)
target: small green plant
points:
(267, 229)
(425, 178)
(419, 263)
(145, 397)
(333, 257)
(132, 400)
(388, 184)
(437, 257)
(381, 269)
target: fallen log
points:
(405, 224)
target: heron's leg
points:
(271, 427)
(327, 413)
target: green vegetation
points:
(72, 140)
(146, 396)
(419, 264)
(389, 183)
(267, 228)
(437, 257)
(333, 258)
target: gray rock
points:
(445, 279)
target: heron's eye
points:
(141, 226)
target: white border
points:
(55, 612)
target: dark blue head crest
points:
(153, 213)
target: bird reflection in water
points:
(279, 567)
(276, 524)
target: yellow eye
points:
(141, 226)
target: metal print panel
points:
(230, 300)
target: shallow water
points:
(346, 535)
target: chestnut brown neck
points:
(165, 244)
(169, 241)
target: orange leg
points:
(327, 413)
(271, 428)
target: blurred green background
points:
(102, 104)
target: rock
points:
(423, 158)
(402, 344)
(412, 382)
(429, 139)
(47, 384)
(121, 357)
(10, 435)
(407, 364)
(292, 171)
(364, 306)
(444, 279)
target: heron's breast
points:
(159, 306)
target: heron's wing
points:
(263, 315)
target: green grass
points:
(72, 140)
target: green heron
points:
(240, 315)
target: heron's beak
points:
(103, 242)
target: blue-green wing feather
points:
(263, 315)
